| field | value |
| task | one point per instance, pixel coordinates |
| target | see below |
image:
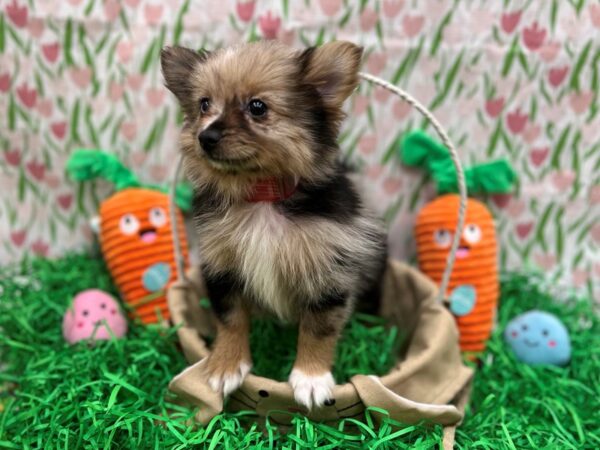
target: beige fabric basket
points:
(430, 381)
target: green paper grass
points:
(366, 346)
(113, 394)
(519, 406)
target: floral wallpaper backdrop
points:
(507, 78)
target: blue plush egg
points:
(156, 276)
(538, 337)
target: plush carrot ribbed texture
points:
(473, 289)
(141, 262)
(135, 234)
(476, 264)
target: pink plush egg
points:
(89, 308)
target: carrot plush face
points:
(436, 227)
(135, 220)
(135, 234)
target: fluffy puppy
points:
(281, 228)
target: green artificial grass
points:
(113, 394)
(519, 406)
(366, 346)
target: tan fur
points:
(345, 59)
(232, 343)
(317, 338)
(315, 355)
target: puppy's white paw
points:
(228, 382)
(311, 390)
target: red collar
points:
(272, 189)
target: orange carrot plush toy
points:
(135, 233)
(473, 288)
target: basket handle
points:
(462, 191)
(460, 175)
(178, 253)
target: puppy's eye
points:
(257, 107)
(204, 105)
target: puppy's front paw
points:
(311, 390)
(225, 376)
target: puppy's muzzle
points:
(209, 139)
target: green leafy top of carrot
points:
(87, 164)
(419, 149)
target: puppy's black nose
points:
(209, 138)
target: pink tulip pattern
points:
(17, 12)
(510, 20)
(269, 25)
(509, 79)
(245, 10)
(4, 82)
(557, 75)
(533, 36)
(50, 51)
(516, 121)
(493, 107)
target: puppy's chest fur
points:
(284, 261)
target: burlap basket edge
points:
(429, 383)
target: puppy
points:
(280, 226)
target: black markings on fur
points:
(329, 301)
(220, 288)
(323, 130)
(369, 299)
(318, 121)
(322, 321)
(321, 329)
(233, 115)
(206, 201)
(321, 125)
(304, 60)
(334, 199)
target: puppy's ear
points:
(178, 65)
(332, 69)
